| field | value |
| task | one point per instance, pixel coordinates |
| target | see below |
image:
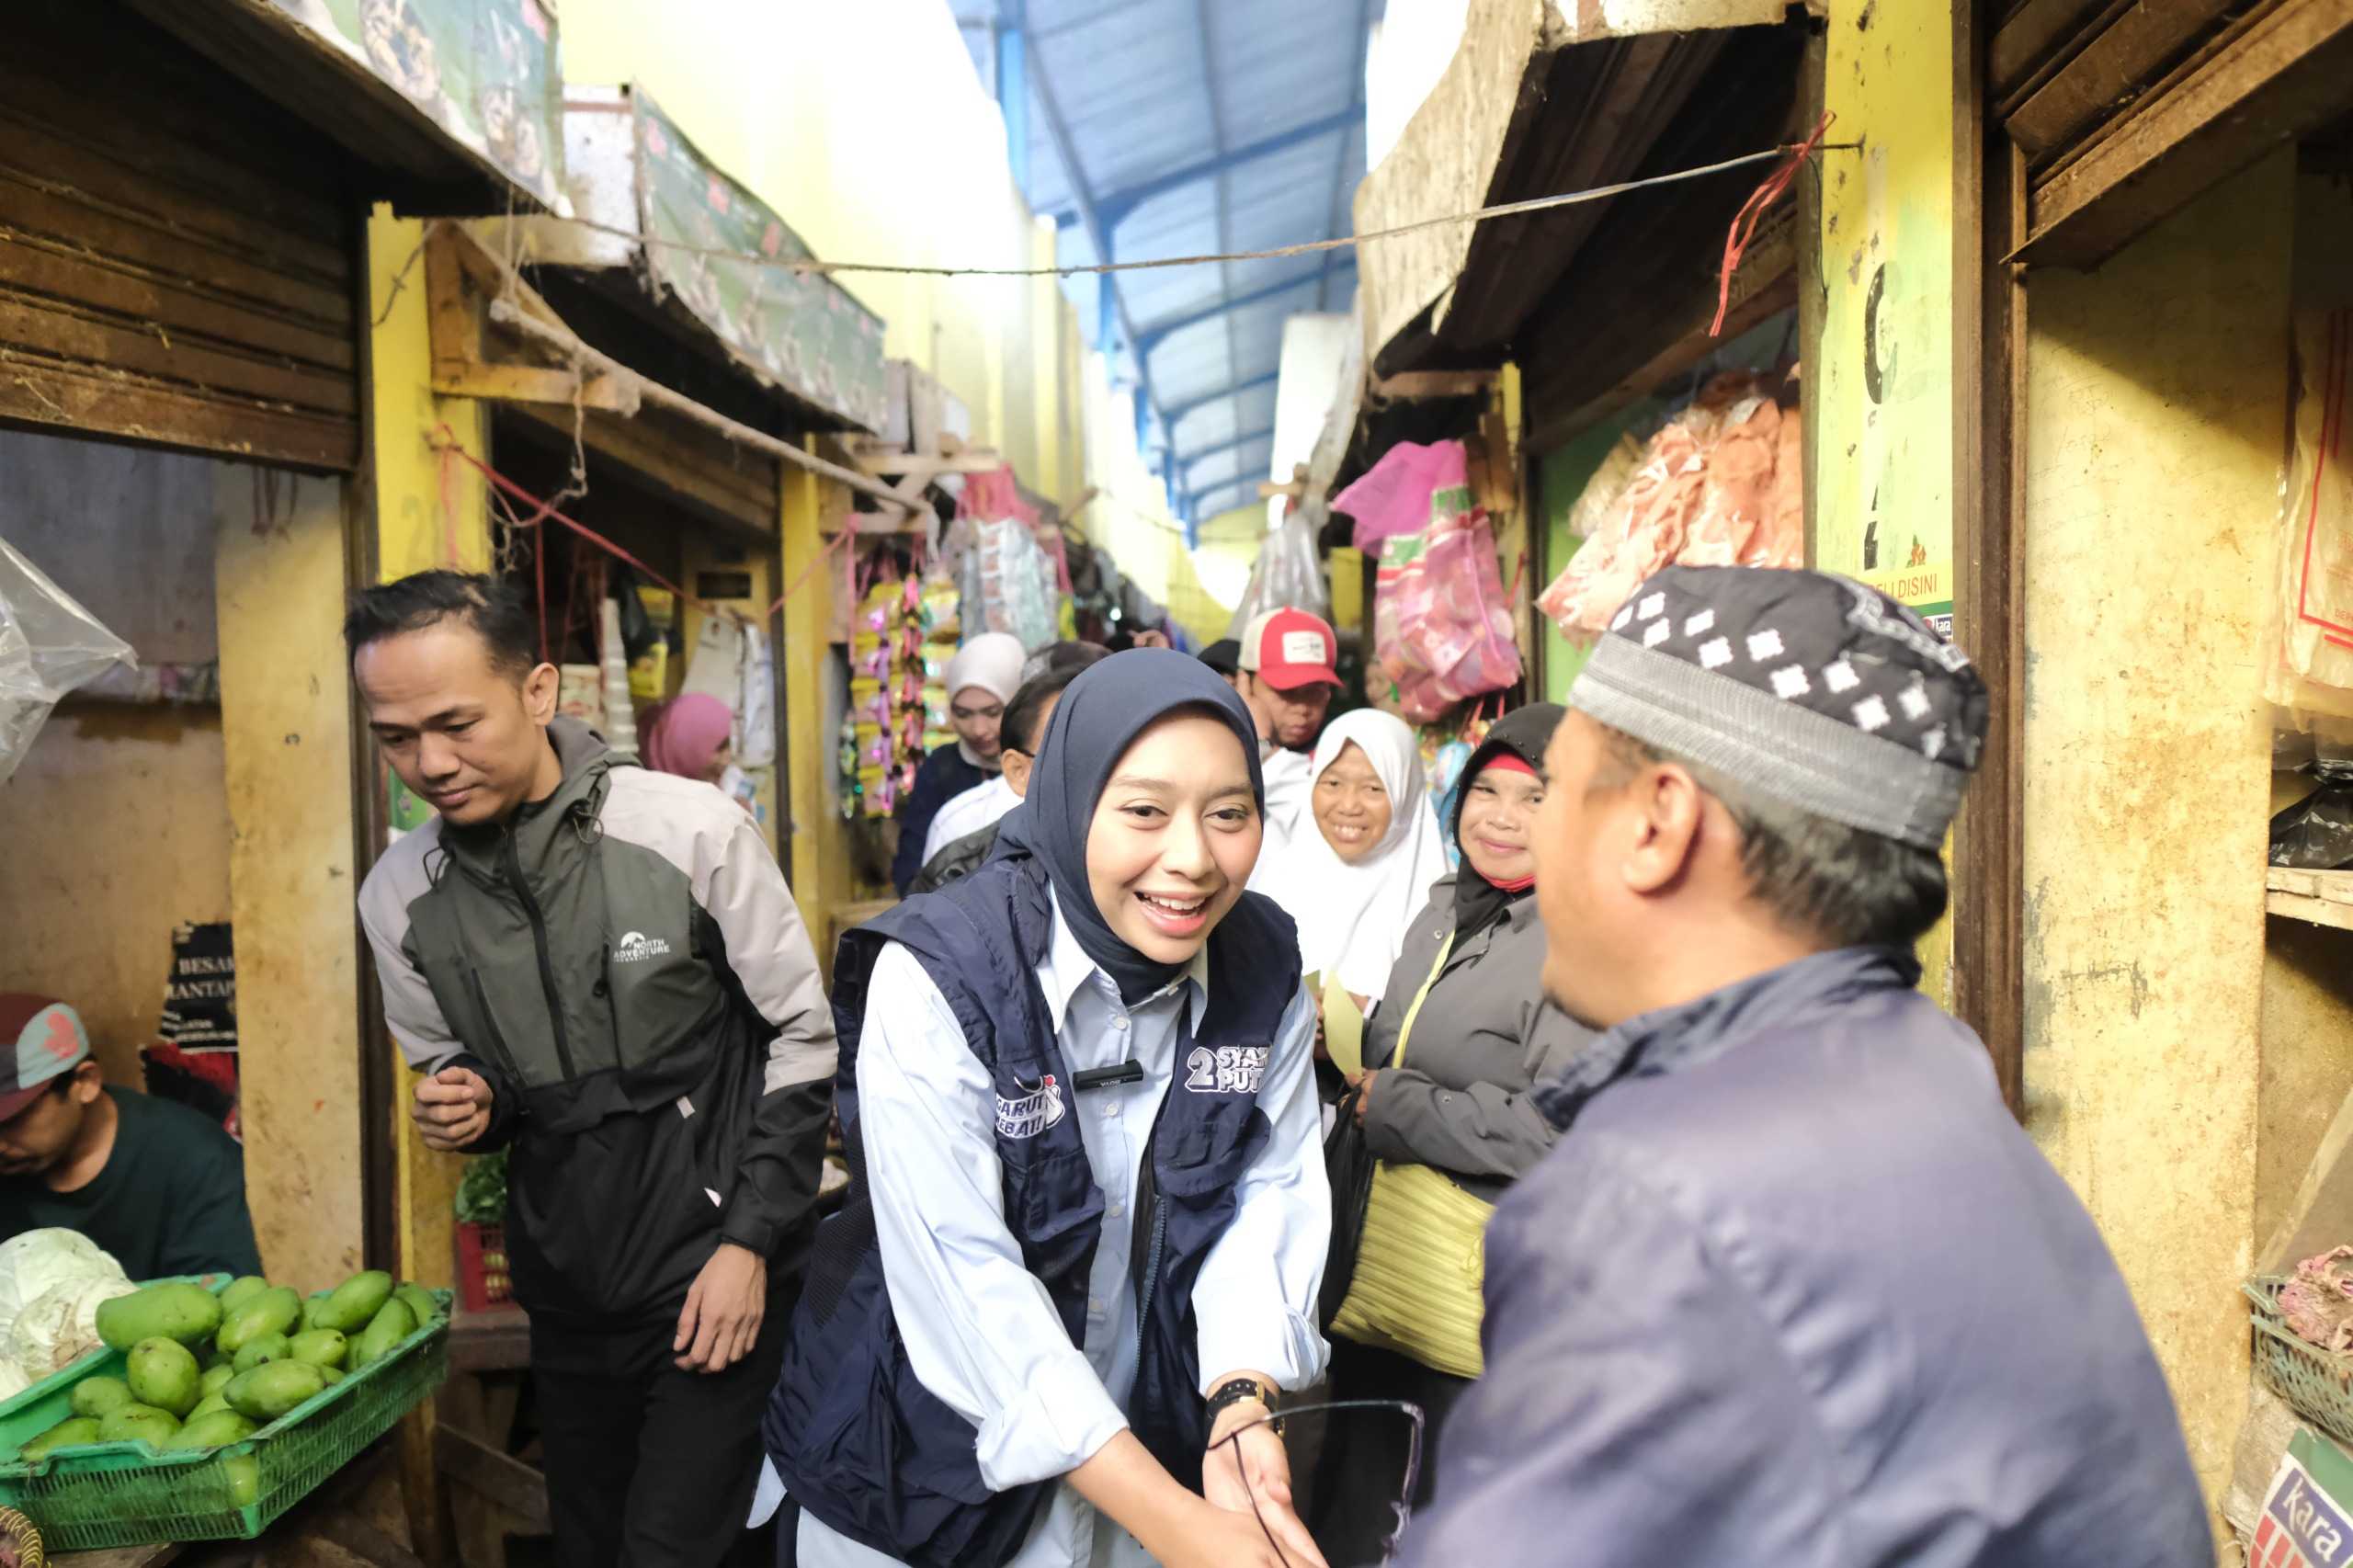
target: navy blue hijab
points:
(1099, 717)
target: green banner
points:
(710, 242)
(484, 70)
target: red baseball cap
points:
(1288, 648)
(38, 1040)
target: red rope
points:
(545, 510)
(1752, 213)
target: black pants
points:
(647, 1466)
(1362, 1467)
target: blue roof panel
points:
(1158, 99)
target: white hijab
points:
(992, 662)
(1353, 918)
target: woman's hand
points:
(1221, 1539)
(1251, 1475)
(1362, 1085)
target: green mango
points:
(311, 1305)
(137, 1423)
(391, 1325)
(94, 1396)
(243, 1471)
(189, 1314)
(71, 1433)
(269, 1392)
(215, 1430)
(420, 1302)
(321, 1347)
(335, 1375)
(205, 1407)
(355, 1301)
(164, 1374)
(239, 1291)
(273, 1311)
(261, 1351)
(215, 1378)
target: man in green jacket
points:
(600, 966)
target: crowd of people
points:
(1234, 1183)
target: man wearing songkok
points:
(1793, 1289)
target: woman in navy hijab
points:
(1090, 1218)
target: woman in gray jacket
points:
(1467, 995)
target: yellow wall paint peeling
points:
(2155, 400)
(1882, 490)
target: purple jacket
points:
(1794, 1292)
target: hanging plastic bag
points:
(2311, 668)
(1442, 630)
(49, 646)
(1405, 490)
(1288, 575)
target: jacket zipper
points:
(1151, 1271)
(539, 942)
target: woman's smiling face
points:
(1352, 807)
(1498, 824)
(1174, 837)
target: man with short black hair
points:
(600, 966)
(1793, 1287)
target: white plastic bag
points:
(49, 646)
(1287, 574)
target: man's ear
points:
(1671, 807)
(540, 689)
(89, 1080)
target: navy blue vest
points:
(858, 1440)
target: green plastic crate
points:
(110, 1494)
(2318, 1383)
(44, 1404)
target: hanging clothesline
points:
(810, 266)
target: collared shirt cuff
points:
(1061, 1419)
(1279, 1343)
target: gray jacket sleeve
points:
(768, 949)
(1487, 1130)
(1636, 1406)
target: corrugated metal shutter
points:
(176, 258)
(2122, 110)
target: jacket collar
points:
(539, 828)
(1689, 1034)
(1067, 967)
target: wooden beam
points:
(515, 1487)
(1989, 560)
(884, 463)
(1420, 385)
(685, 465)
(2283, 76)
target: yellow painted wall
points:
(286, 729)
(1881, 493)
(2155, 404)
(1883, 367)
(116, 830)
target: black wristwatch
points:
(1237, 1390)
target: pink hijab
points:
(685, 732)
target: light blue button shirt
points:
(980, 1329)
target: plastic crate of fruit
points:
(129, 1493)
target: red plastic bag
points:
(1442, 629)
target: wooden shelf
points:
(2322, 898)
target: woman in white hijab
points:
(1355, 884)
(980, 679)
